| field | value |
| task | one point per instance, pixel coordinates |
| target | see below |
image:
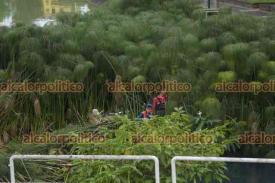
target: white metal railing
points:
(138, 157)
(214, 159)
(86, 157)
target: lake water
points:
(250, 173)
(39, 12)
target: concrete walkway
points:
(244, 9)
(236, 6)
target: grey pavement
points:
(244, 9)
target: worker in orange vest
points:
(147, 114)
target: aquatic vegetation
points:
(126, 137)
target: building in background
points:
(211, 4)
(211, 7)
(52, 7)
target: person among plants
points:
(159, 104)
(147, 114)
(94, 117)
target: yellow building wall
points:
(51, 7)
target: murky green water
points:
(250, 173)
(26, 11)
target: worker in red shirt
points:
(159, 104)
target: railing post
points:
(11, 165)
(173, 169)
(91, 157)
(214, 159)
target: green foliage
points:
(261, 1)
(270, 67)
(209, 44)
(255, 61)
(3, 75)
(121, 138)
(34, 62)
(124, 140)
(138, 79)
(237, 55)
(269, 116)
(81, 70)
(226, 38)
(227, 76)
(211, 107)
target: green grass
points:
(261, 1)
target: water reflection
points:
(39, 12)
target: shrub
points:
(211, 106)
(124, 140)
